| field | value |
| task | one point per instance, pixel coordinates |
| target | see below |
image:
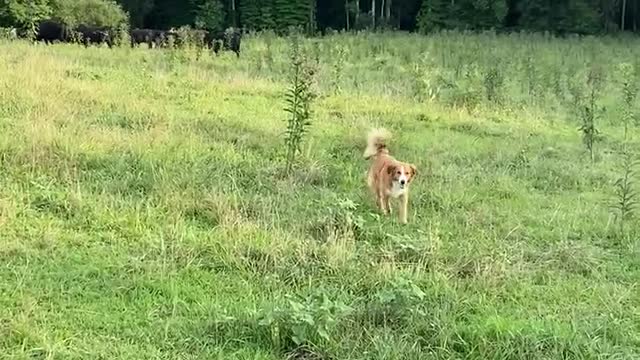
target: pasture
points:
(145, 210)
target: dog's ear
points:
(414, 170)
(391, 169)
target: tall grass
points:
(143, 215)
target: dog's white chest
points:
(397, 190)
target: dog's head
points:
(402, 174)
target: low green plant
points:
(303, 321)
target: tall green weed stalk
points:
(629, 93)
(299, 98)
(626, 201)
(339, 57)
(590, 112)
(493, 81)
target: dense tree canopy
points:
(560, 16)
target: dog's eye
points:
(398, 173)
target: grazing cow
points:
(95, 35)
(148, 36)
(50, 31)
(228, 40)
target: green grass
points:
(145, 211)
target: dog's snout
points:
(402, 182)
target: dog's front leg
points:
(404, 203)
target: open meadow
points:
(146, 211)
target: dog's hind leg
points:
(384, 203)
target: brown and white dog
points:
(387, 178)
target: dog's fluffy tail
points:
(376, 142)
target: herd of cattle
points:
(51, 31)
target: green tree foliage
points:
(556, 16)
(279, 15)
(257, 14)
(171, 13)
(461, 14)
(210, 15)
(27, 13)
(138, 10)
(23, 13)
(291, 13)
(576, 16)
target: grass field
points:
(145, 211)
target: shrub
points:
(103, 13)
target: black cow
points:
(159, 38)
(50, 31)
(227, 40)
(95, 35)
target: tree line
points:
(560, 16)
(557, 16)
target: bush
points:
(103, 13)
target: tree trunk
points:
(635, 16)
(234, 18)
(373, 14)
(382, 11)
(357, 13)
(624, 13)
(346, 13)
(388, 11)
(312, 17)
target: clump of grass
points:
(299, 98)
